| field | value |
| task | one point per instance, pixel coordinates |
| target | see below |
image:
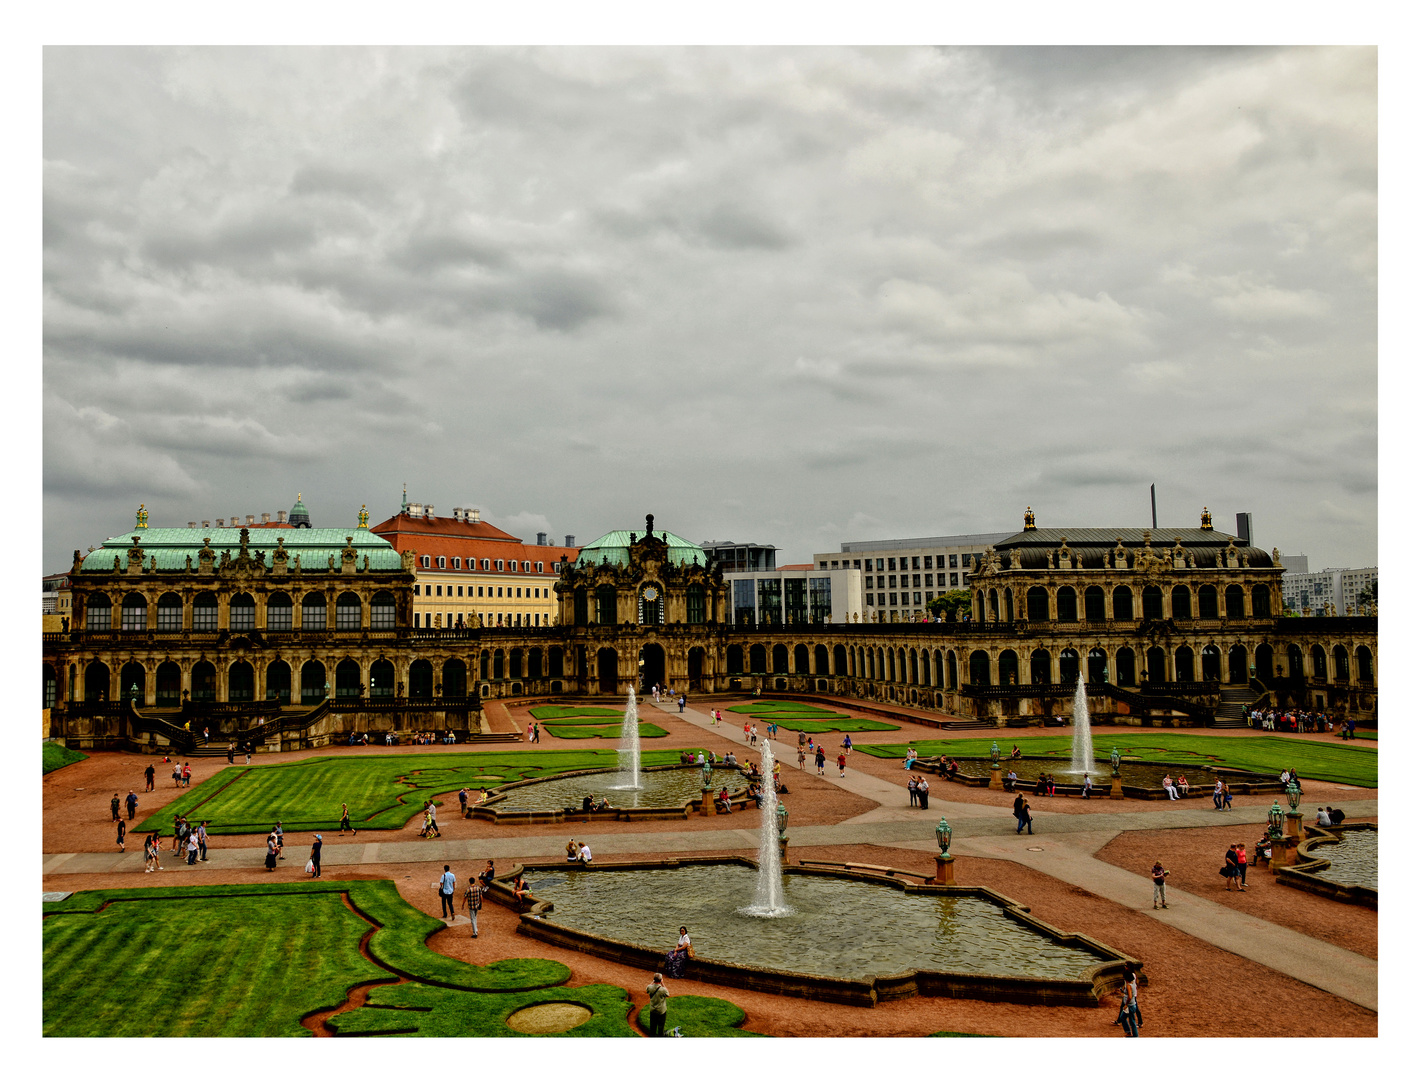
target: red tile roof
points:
(797, 566)
(406, 526)
(467, 540)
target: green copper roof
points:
(171, 547)
(614, 546)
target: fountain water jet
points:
(630, 747)
(770, 899)
(1082, 759)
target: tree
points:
(952, 605)
(1369, 596)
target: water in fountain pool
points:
(840, 928)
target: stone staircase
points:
(1227, 713)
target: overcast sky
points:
(793, 297)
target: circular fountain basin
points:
(662, 787)
(1135, 774)
(1354, 860)
(838, 927)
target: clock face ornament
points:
(650, 593)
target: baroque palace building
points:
(1166, 626)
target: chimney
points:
(568, 541)
(192, 524)
(266, 519)
(219, 522)
(543, 540)
(459, 513)
(251, 520)
(207, 524)
(281, 517)
(474, 514)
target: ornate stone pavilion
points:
(311, 634)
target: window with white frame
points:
(484, 564)
(455, 562)
(425, 562)
(526, 566)
(440, 562)
(499, 564)
(540, 566)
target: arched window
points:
(1156, 664)
(1040, 667)
(1210, 664)
(1066, 604)
(1238, 661)
(734, 661)
(382, 679)
(134, 614)
(1037, 604)
(536, 660)
(1007, 668)
(1264, 661)
(606, 600)
(452, 679)
(696, 606)
(383, 611)
(1296, 662)
(348, 611)
(313, 674)
(802, 660)
(313, 613)
(422, 676)
(758, 659)
(51, 688)
(879, 664)
(913, 667)
(951, 663)
(1008, 605)
(1364, 657)
(168, 685)
(279, 682)
(498, 669)
(1126, 667)
(822, 660)
(1097, 666)
(170, 611)
(650, 607)
(484, 666)
(241, 612)
(978, 668)
(1185, 664)
(555, 662)
(992, 605)
(204, 613)
(1151, 602)
(1094, 604)
(1260, 601)
(580, 606)
(839, 660)
(279, 611)
(1068, 665)
(1181, 603)
(348, 677)
(1121, 603)
(204, 681)
(1209, 602)
(1341, 664)
(97, 616)
(1319, 662)
(96, 680)
(516, 663)
(241, 683)
(978, 611)
(133, 681)
(1234, 602)
(938, 668)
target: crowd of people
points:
(1299, 721)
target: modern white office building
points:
(901, 576)
(796, 595)
(1340, 587)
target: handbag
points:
(310, 867)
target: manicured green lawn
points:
(802, 716)
(382, 791)
(56, 756)
(601, 731)
(232, 960)
(1343, 763)
(557, 713)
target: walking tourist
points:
(202, 835)
(346, 820)
(192, 849)
(820, 760)
(277, 832)
(148, 778)
(841, 762)
(1158, 886)
(447, 894)
(472, 902)
(114, 805)
(151, 852)
(1023, 812)
(1216, 795)
(800, 758)
(122, 829)
(657, 994)
(753, 734)
(1231, 870)
(187, 774)
(536, 733)
(132, 802)
(1130, 1014)
(746, 730)
(316, 856)
(1225, 796)
(271, 862)
(1240, 862)
(177, 775)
